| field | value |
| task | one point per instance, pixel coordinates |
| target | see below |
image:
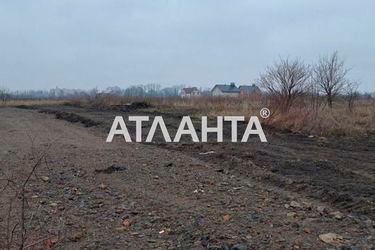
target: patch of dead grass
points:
(303, 117)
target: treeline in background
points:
(319, 98)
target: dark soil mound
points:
(25, 107)
(70, 117)
(131, 106)
(111, 169)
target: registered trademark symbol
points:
(265, 113)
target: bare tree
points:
(285, 81)
(329, 75)
(351, 94)
(4, 95)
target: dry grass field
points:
(32, 102)
(306, 116)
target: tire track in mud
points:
(319, 179)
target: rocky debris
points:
(322, 141)
(53, 204)
(169, 164)
(207, 153)
(289, 181)
(295, 204)
(227, 217)
(337, 215)
(239, 247)
(291, 214)
(307, 205)
(211, 244)
(76, 236)
(321, 209)
(332, 239)
(222, 170)
(44, 178)
(196, 191)
(125, 225)
(111, 169)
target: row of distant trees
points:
(288, 80)
(144, 90)
(285, 82)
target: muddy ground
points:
(90, 194)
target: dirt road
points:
(130, 195)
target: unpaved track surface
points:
(173, 197)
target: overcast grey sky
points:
(88, 43)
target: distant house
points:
(225, 90)
(190, 92)
(249, 90)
